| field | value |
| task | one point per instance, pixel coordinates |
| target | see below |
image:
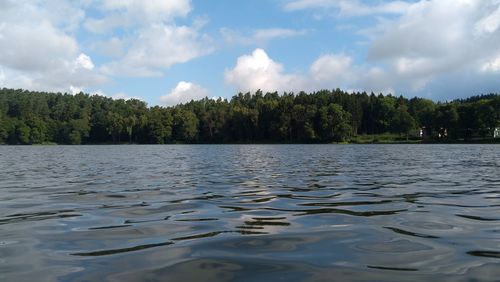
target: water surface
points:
(250, 212)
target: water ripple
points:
(255, 212)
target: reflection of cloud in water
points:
(240, 269)
(260, 212)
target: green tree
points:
(114, 125)
(159, 126)
(185, 126)
(303, 123)
(4, 128)
(383, 111)
(28, 117)
(23, 133)
(402, 122)
(334, 123)
(78, 130)
(446, 120)
(129, 123)
(423, 111)
(38, 131)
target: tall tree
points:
(402, 122)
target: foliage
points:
(321, 117)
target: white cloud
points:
(438, 37)
(259, 36)
(83, 61)
(128, 13)
(159, 47)
(329, 71)
(271, 33)
(258, 71)
(39, 46)
(335, 69)
(339, 71)
(124, 96)
(61, 79)
(492, 66)
(350, 7)
(116, 96)
(184, 92)
(113, 47)
(152, 9)
(151, 41)
(489, 23)
(2, 77)
(62, 14)
(74, 90)
(38, 50)
(66, 15)
(428, 28)
(413, 45)
(421, 43)
(104, 25)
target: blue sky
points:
(171, 51)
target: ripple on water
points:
(250, 212)
(395, 246)
(484, 253)
(428, 225)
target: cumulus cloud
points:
(492, 66)
(434, 38)
(184, 92)
(39, 49)
(329, 71)
(38, 52)
(422, 43)
(490, 23)
(258, 71)
(113, 47)
(350, 7)
(127, 13)
(259, 36)
(34, 46)
(427, 28)
(62, 14)
(152, 41)
(333, 69)
(339, 71)
(159, 47)
(124, 96)
(2, 77)
(83, 61)
(116, 96)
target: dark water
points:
(250, 213)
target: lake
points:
(250, 212)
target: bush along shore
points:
(325, 116)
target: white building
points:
(496, 133)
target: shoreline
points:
(393, 142)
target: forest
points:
(325, 116)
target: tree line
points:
(325, 116)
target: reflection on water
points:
(249, 212)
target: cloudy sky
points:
(170, 51)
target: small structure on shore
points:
(442, 133)
(496, 132)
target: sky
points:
(166, 52)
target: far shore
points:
(359, 140)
